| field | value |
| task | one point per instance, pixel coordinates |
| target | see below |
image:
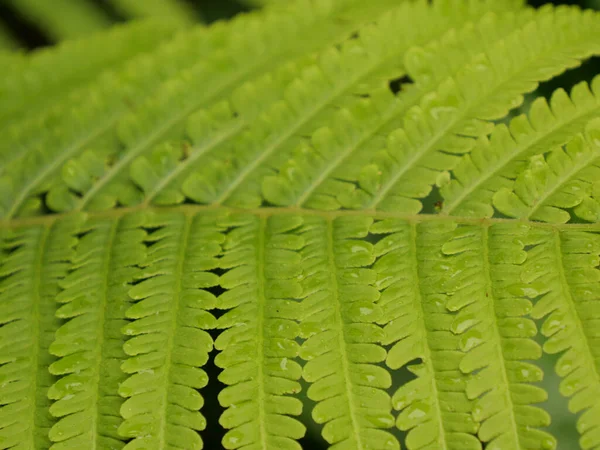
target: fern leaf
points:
(443, 126)
(161, 173)
(35, 260)
(342, 342)
(319, 82)
(63, 19)
(249, 36)
(168, 340)
(258, 351)
(495, 162)
(49, 74)
(410, 273)
(340, 150)
(308, 99)
(89, 345)
(551, 186)
(406, 329)
(562, 270)
(486, 265)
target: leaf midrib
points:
(35, 314)
(570, 304)
(274, 211)
(497, 339)
(336, 303)
(427, 347)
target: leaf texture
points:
(48, 74)
(412, 274)
(33, 261)
(176, 10)
(562, 270)
(342, 342)
(496, 161)
(565, 179)
(258, 348)
(496, 337)
(218, 48)
(167, 339)
(445, 124)
(89, 344)
(321, 210)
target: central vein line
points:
(341, 336)
(260, 324)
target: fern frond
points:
(486, 266)
(161, 174)
(411, 275)
(243, 48)
(90, 343)
(63, 19)
(258, 351)
(549, 187)
(562, 270)
(444, 125)
(168, 343)
(407, 329)
(335, 81)
(495, 162)
(313, 176)
(306, 99)
(34, 259)
(49, 74)
(342, 342)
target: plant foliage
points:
(338, 203)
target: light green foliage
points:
(63, 19)
(250, 207)
(70, 19)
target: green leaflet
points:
(484, 287)
(89, 344)
(168, 341)
(499, 159)
(33, 261)
(565, 179)
(561, 269)
(342, 345)
(258, 349)
(445, 123)
(410, 274)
